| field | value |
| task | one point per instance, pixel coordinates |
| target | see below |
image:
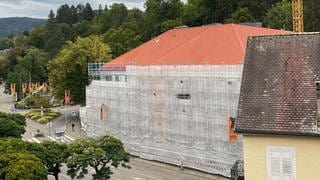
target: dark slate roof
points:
(278, 93)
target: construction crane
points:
(297, 15)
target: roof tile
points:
(212, 44)
(278, 93)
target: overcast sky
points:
(41, 8)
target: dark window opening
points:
(117, 78)
(318, 86)
(96, 77)
(229, 82)
(108, 78)
(181, 82)
(154, 94)
(183, 96)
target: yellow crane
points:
(297, 15)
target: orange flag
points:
(24, 88)
(30, 87)
(67, 97)
(44, 89)
(13, 89)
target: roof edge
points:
(246, 131)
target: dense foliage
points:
(25, 160)
(16, 162)
(121, 29)
(99, 153)
(12, 125)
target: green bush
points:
(44, 119)
(47, 116)
(41, 102)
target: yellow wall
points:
(307, 150)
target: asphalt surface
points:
(140, 169)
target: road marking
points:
(36, 140)
(50, 137)
(68, 137)
(62, 139)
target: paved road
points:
(6, 101)
(150, 170)
(140, 169)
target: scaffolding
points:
(171, 113)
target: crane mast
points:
(297, 15)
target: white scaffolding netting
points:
(174, 114)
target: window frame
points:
(284, 154)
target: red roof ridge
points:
(182, 44)
(209, 44)
(238, 38)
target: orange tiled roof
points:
(212, 44)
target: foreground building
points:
(170, 98)
(279, 107)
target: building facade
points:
(170, 98)
(278, 111)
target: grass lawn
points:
(47, 116)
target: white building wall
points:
(153, 123)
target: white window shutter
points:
(281, 163)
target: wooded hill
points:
(17, 25)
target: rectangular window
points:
(183, 96)
(117, 78)
(281, 163)
(108, 78)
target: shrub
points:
(47, 116)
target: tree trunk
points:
(56, 171)
(56, 176)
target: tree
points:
(241, 15)
(17, 163)
(52, 155)
(34, 62)
(258, 8)
(279, 16)
(200, 12)
(113, 17)
(171, 23)
(51, 15)
(134, 22)
(121, 40)
(311, 15)
(65, 14)
(22, 166)
(159, 11)
(88, 13)
(56, 35)
(20, 41)
(4, 63)
(29, 68)
(37, 37)
(68, 71)
(4, 43)
(12, 125)
(98, 153)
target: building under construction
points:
(169, 99)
